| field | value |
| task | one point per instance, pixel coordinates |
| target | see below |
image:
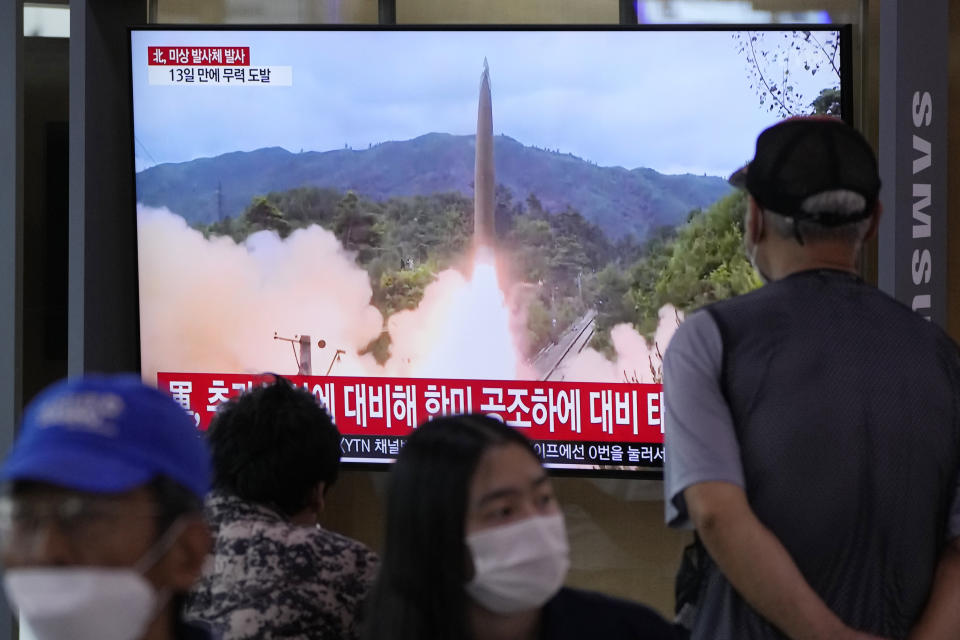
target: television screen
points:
(411, 222)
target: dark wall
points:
(103, 328)
(45, 220)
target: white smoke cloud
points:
(212, 305)
(634, 355)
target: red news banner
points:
(576, 424)
(199, 56)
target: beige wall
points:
(492, 12)
(266, 11)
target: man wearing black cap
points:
(101, 526)
(813, 426)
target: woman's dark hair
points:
(419, 594)
(273, 445)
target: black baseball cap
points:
(803, 157)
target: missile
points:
(484, 180)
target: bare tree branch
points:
(756, 64)
(830, 58)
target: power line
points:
(145, 150)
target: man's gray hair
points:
(837, 202)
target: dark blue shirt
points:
(574, 614)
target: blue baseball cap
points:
(107, 434)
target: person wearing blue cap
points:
(101, 523)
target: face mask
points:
(751, 252)
(84, 603)
(519, 566)
(752, 257)
(88, 603)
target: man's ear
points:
(182, 565)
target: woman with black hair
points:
(476, 547)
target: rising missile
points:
(483, 181)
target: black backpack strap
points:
(690, 582)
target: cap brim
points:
(739, 177)
(77, 469)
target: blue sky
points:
(676, 102)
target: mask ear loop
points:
(153, 555)
(796, 231)
(159, 548)
(752, 257)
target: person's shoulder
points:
(226, 510)
(248, 521)
(696, 326)
(332, 539)
(747, 299)
(351, 555)
(578, 613)
(697, 336)
(901, 320)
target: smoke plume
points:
(636, 359)
(212, 305)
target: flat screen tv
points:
(411, 222)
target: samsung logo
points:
(921, 260)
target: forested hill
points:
(618, 200)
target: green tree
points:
(355, 225)
(229, 227)
(264, 215)
(505, 210)
(534, 206)
(827, 103)
(704, 262)
(399, 290)
(307, 205)
(529, 241)
(608, 296)
(540, 329)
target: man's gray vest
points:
(845, 405)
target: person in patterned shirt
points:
(275, 573)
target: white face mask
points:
(750, 249)
(89, 602)
(752, 257)
(519, 566)
(82, 603)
